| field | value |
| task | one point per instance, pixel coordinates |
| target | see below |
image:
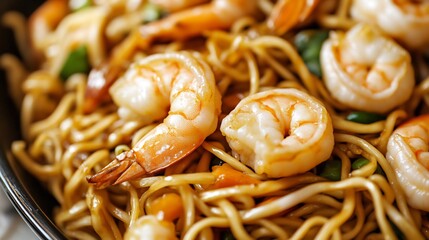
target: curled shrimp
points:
(408, 153)
(151, 228)
(279, 132)
(289, 13)
(218, 14)
(176, 84)
(404, 20)
(365, 70)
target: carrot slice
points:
(226, 176)
(168, 207)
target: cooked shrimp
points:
(150, 228)
(408, 153)
(279, 132)
(44, 20)
(366, 71)
(404, 20)
(176, 84)
(289, 13)
(218, 14)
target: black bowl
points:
(27, 195)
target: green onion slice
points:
(76, 62)
(308, 44)
(365, 117)
(331, 170)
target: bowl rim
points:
(15, 181)
(24, 203)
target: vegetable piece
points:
(168, 207)
(365, 117)
(331, 170)
(226, 176)
(152, 12)
(76, 62)
(360, 162)
(76, 5)
(309, 43)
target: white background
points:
(12, 227)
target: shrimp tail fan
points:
(123, 168)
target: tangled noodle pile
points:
(227, 119)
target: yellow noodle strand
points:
(400, 198)
(339, 219)
(291, 200)
(56, 117)
(235, 220)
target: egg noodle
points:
(197, 197)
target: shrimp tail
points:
(287, 14)
(123, 168)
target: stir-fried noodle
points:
(256, 119)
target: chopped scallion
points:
(309, 43)
(359, 163)
(331, 170)
(365, 117)
(76, 62)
